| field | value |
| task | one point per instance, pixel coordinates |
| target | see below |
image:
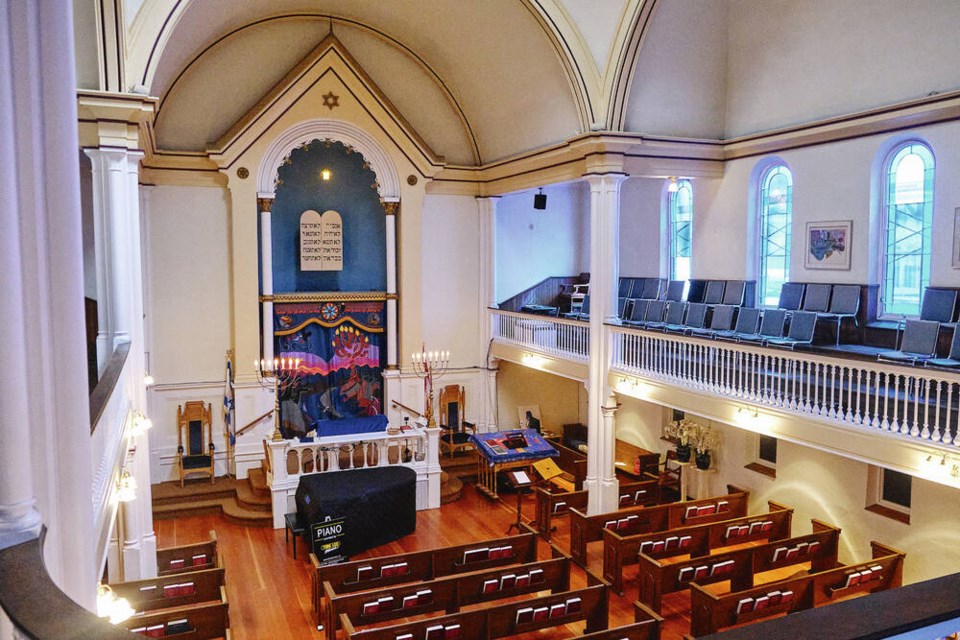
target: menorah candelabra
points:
(430, 365)
(280, 377)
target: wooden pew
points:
(739, 566)
(640, 493)
(174, 590)
(190, 557)
(192, 622)
(447, 593)
(697, 540)
(571, 461)
(646, 626)
(585, 529)
(712, 612)
(590, 604)
(374, 573)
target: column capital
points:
(391, 207)
(264, 204)
(598, 181)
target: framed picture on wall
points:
(828, 245)
(956, 238)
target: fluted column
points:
(266, 275)
(601, 478)
(392, 209)
(487, 298)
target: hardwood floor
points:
(269, 591)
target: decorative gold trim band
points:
(324, 296)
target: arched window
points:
(907, 216)
(776, 214)
(680, 229)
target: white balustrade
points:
(291, 459)
(916, 402)
(546, 334)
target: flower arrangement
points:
(684, 431)
(705, 440)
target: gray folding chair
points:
(938, 304)
(637, 313)
(626, 285)
(952, 361)
(675, 289)
(714, 292)
(650, 289)
(817, 298)
(654, 314)
(733, 292)
(791, 296)
(696, 316)
(802, 324)
(674, 316)
(748, 319)
(770, 327)
(722, 320)
(844, 304)
(919, 343)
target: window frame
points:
(891, 163)
(875, 501)
(762, 465)
(766, 176)
(673, 206)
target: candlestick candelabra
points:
(280, 377)
(430, 365)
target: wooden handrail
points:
(250, 424)
(106, 384)
(407, 409)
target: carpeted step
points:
(171, 493)
(451, 490)
(258, 481)
(232, 510)
(252, 500)
(209, 506)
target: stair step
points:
(252, 500)
(209, 506)
(451, 490)
(258, 480)
(236, 512)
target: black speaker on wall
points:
(540, 200)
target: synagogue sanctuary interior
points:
(448, 320)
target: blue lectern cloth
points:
(349, 426)
(492, 446)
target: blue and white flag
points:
(228, 404)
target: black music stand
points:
(519, 480)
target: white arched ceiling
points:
(494, 65)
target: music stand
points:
(518, 479)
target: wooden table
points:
(494, 457)
(627, 453)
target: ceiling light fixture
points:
(325, 174)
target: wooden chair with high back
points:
(456, 431)
(194, 440)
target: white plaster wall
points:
(679, 83)
(189, 283)
(831, 182)
(451, 272)
(640, 227)
(791, 62)
(823, 486)
(560, 399)
(533, 245)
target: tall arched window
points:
(906, 222)
(776, 214)
(680, 230)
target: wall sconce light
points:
(540, 200)
(112, 607)
(147, 378)
(126, 487)
(532, 360)
(748, 412)
(140, 423)
(325, 174)
(673, 187)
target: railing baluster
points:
(936, 435)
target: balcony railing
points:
(916, 402)
(546, 334)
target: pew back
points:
(190, 557)
(711, 612)
(203, 621)
(631, 494)
(174, 590)
(646, 626)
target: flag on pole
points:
(228, 403)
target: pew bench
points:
(620, 550)
(712, 612)
(190, 557)
(646, 626)
(204, 621)
(590, 604)
(417, 566)
(448, 593)
(550, 504)
(632, 520)
(173, 590)
(656, 579)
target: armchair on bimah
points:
(455, 430)
(194, 425)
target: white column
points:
(266, 274)
(18, 511)
(487, 299)
(601, 481)
(391, 207)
